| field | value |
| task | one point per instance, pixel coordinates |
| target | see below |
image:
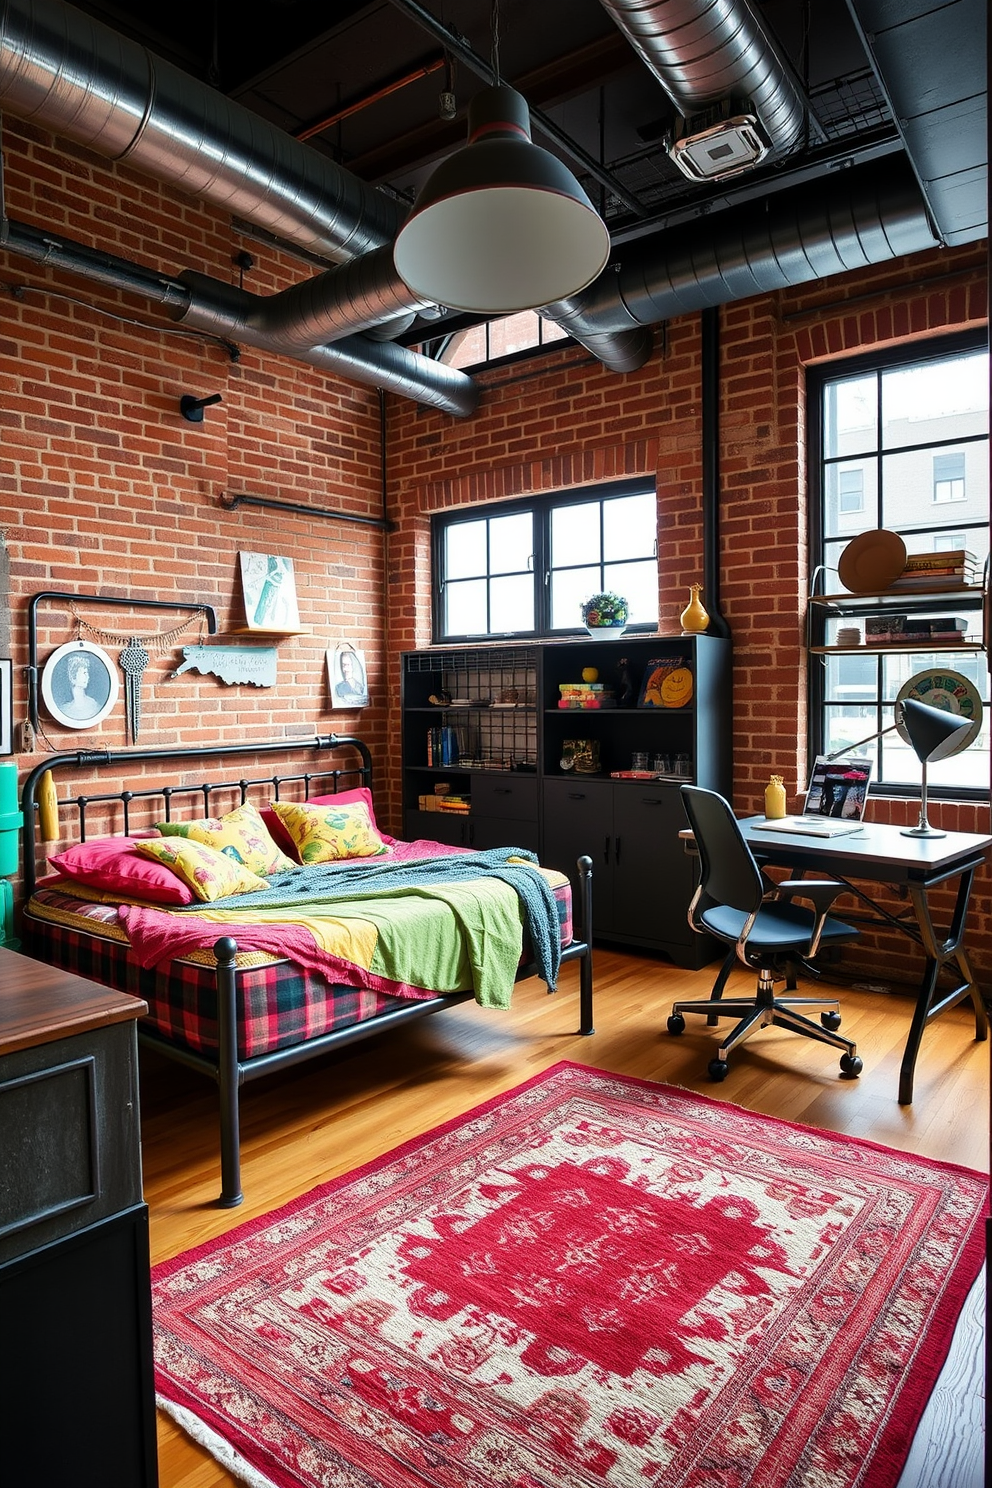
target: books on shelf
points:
(586, 695)
(442, 746)
(880, 629)
(955, 567)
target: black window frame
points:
(906, 354)
(542, 507)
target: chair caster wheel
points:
(851, 1064)
(719, 1069)
(676, 1023)
(831, 1021)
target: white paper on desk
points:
(809, 826)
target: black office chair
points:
(738, 904)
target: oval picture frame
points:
(71, 700)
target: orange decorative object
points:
(694, 618)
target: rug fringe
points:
(218, 1448)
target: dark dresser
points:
(77, 1399)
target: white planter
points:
(605, 632)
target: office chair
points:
(736, 903)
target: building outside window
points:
(948, 476)
(910, 429)
(523, 568)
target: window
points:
(524, 568)
(851, 490)
(948, 477)
(498, 340)
(894, 439)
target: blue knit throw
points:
(298, 886)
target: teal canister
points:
(11, 819)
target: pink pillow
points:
(280, 836)
(115, 865)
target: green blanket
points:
(489, 923)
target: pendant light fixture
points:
(501, 225)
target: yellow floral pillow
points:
(241, 835)
(209, 873)
(328, 832)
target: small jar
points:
(774, 799)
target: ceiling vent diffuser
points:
(724, 141)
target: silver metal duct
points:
(372, 363)
(86, 83)
(860, 217)
(703, 51)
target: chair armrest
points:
(821, 893)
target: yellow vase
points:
(775, 799)
(694, 617)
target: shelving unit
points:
(509, 769)
(965, 600)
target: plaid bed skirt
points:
(279, 1003)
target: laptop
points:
(835, 801)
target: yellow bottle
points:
(774, 799)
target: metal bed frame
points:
(226, 1068)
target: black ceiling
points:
(361, 83)
(299, 62)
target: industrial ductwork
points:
(709, 52)
(861, 217)
(377, 364)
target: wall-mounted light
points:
(192, 408)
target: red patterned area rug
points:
(589, 1281)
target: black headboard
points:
(343, 775)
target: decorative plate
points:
(872, 561)
(941, 688)
(79, 684)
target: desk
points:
(881, 854)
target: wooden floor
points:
(311, 1123)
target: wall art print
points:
(79, 684)
(269, 587)
(347, 676)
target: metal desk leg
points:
(940, 954)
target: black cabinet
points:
(515, 761)
(76, 1383)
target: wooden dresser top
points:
(40, 1003)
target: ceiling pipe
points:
(75, 76)
(374, 364)
(78, 78)
(706, 51)
(860, 218)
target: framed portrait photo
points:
(347, 677)
(79, 684)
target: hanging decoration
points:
(133, 661)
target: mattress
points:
(280, 1004)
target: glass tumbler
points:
(639, 760)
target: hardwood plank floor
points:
(314, 1122)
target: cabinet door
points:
(578, 821)
(653, 877)
(499, 831)
(437, 826)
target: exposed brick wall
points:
(104, 488)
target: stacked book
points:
(914, 630)
(586, 695)
(939, 570)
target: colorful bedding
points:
(281, 1002)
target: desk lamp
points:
(934, 735)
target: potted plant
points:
(605, 615)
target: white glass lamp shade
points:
(501, 225)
